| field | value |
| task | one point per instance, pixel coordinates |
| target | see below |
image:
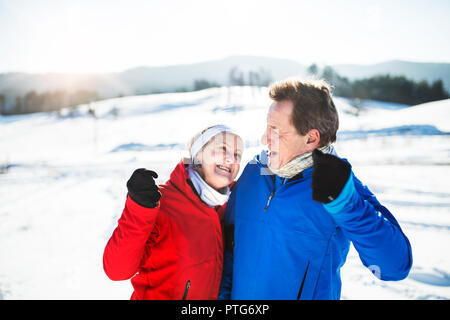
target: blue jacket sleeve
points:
(227, 276)
(376, 235)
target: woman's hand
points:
(142, 188)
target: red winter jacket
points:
(173, 251)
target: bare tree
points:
(2, 104)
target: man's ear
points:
(313, 139)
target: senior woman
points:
(169, 239)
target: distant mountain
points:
(413, 70)
(179, 76)
(143, 80)
(18, 84)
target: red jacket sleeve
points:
(125, 249)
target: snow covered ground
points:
(64, 186)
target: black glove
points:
(142, 188)
(329, 176)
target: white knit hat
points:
(206, 136)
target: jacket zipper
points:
(303, 282)
(272, 195)
(268, 201)
(186, 289)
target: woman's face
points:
(221, 159)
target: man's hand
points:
(142, 188)
(329, 176)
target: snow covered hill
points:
(63, 186)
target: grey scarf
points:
(300, 163)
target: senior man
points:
(296, 207)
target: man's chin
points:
(273, 166)
(274, 162)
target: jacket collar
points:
(262, 161)
(179, 178)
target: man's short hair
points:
(313, 106)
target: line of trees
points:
(47, 101)
(200, 84)
(388, 88)
(237, 77)
(259, 78)
(2, 103)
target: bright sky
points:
(114, 35)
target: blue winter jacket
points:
(287, 246)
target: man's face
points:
(281, 137)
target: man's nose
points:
(264, 138)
